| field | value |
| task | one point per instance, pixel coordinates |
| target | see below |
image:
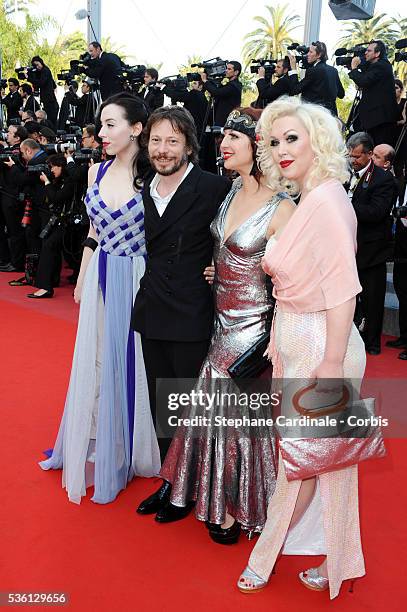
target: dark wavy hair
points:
(254, 113)
(135, 111)
(181, 121)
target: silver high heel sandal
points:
(312, 580)
(250, 582)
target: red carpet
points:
(108, 558)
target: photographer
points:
(59, 192)
(12, 205)
(33, 130)
(378, 110)
(151, 93)
(28, 180)
(321, 83)
(269, 91)
(67, 110)
(29, 103)
(47, 136)
(84, 111)
(194, 101)
(373, 193)
(41, 78)
(42, 118)
(226, 97)
(105, 67)
(12, 101)
(27, 116)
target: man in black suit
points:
(194, 101)
(321, 83)
(151, 93)
(106, 67)
(373, 192)
(226, 97)
(12, 101)
(378, 110)
(29, 103)
(269, 91)
(173, 310)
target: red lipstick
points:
(286, 162)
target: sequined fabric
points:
(299, 341)
(228, 470)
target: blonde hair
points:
(326, 143)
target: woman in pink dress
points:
(313, 269)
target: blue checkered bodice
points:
(120, 232)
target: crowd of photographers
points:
(46, 152)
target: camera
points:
(215, 68)
(358, 50)
(302, 58)
(3, 83)
(401, 56)
(86, 154)
(59, 147)
(269, 66)
(53, 221)
(5, 154)
(174, 83)
(400, 212)
(20, 72)
(132, 77)
(38, 169)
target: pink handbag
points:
(307, 457)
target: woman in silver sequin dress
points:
(231, 473)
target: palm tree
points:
(270, 40)
(379, 27)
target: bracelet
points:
(91, 243)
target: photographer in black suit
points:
(41, 78)
(321, 83)
(12, 101)
(373, 192)
(105, 67)
(151, 93)
(269, 91)
(173, 310)
(378, 111)
(226, 97)
(194, 101)
(28, 102)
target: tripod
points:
(400, 138)
(210, 136)
(353, 113)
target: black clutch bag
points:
(252, 363)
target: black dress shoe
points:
(47, 294)
(403, 355)
(225, 536)
(157, 500)
(171, 513)
(399, 343)
(373, 351)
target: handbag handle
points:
(319, 411)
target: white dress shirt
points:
(160, 202)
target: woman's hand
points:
(77, 294)
(328, 376)
(44, 178)
(209, 274)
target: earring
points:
(133, 137)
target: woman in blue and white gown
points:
(106, 435)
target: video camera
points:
(302, 60)
(132, 77)
(86, 154)
(20, 72)
(269, 66)
(215, 68)
(358, 50)
(401, 56)
(7, 153)
(175, 83)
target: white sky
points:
(171, 30)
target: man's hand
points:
(261, 72)
(204, 77)
(209, 274)
(9, 163)
(356, 61)
(293, 61)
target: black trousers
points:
(49, 265)
(13, 214)
(383, 134)
(373, 281)
(400, 287)
(169, 359)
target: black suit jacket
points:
(378, 104)
(153, 97)
(31, 104)
(373, 202)
(321, 85)
(226, 98)
(106, 68)
(43, 80)
(194, 101)
(174, 301)
(269, 91)
(13, 102)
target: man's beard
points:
(171, 169)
